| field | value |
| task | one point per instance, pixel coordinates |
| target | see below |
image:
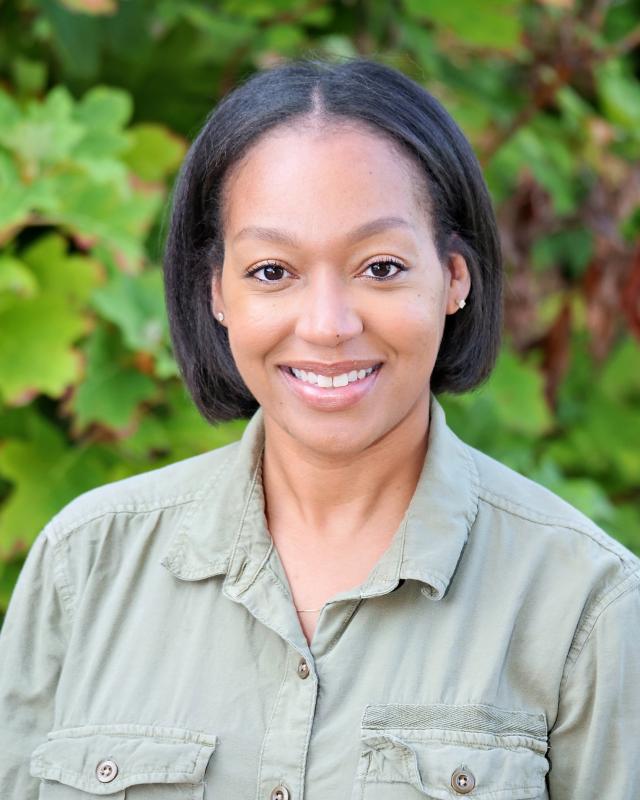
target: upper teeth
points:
(326, 381)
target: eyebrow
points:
(357, 234)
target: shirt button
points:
(280, 793)
(303, 670)
(106, 771)
(463, 781)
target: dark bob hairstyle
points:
(384, 100)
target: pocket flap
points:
(105, 760)
(452, 751)
(432, 768)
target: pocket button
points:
(463, 781)
(106, 771)
(280, 793)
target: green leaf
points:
(255, 10)
(112, 389)
(154, 152)
(507, 416)
(17, 199)
(284, 39)
(136, 305)
(16, 423)
(228, 33)
(70, 276)
(103, 113)
(30, 76)
(16, 279)
(35, 347)
(37, 332)
(10, 115)
(583, 493)
(494, 23)
(571, 250)
(516, 391)
(46, 474)
(318, 17)
(75, 39)
(619, 94)
(620, 378)
(540, 150)
(175, 430)
(624, 524)
(104, 108)
(604, 444)
(9, 571)
(47, 133)
(102, 211)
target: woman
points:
(349, 603)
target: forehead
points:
(310, 173)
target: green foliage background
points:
(98, 100)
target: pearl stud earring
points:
(220, 316)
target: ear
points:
(459, 284)
(217, 302)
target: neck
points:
(334, 495)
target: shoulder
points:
(539, 521)
(170, 487)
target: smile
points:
(331, 381)
(331, 387)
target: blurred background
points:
(98, 102)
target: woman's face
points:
(331, 287)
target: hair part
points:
(322, 94)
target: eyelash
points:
(392, 262)
(252, 273)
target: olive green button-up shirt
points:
(151, 649)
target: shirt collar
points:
(228, 503)
(224, 528)
(435, 528)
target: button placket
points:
(283, 758)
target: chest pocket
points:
(135, 762)
(443, 752)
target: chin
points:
(337, 438)
(332, 439)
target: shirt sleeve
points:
(595, 743)
(32, 646)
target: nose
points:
(326, 314)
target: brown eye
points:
(270, 273)
(273, 273)
(381, 270)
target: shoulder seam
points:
(584, 631)
(57, 533)
(531, 515)
(61, 578)
(57, 528)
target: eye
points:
(269, 273)
(383, 269)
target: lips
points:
(325, 381)
(331, 387)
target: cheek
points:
(254, 331)
(421, 322)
